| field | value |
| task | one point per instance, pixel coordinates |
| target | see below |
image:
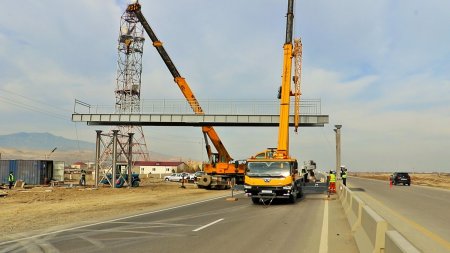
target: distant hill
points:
(43, 141)
(35, 146)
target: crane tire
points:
(255, 201)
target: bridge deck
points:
(196, 120)
(262, 113)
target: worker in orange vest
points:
(332, 182)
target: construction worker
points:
(11, 179)
(344, 176)
(83, 177)
(332, 182)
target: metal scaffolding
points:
(113, 160)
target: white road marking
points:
(324, 236)
(207, 225)
(109, 221)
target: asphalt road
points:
(313, 224)
(421, 214)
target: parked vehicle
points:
(176, 177)
(191, 177)
(198, 174)
(400, 178)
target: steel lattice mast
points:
(128, 93)
(128, 88)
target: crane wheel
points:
(206, 180)
(255, 201)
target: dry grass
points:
(44, 208)
(439, 180)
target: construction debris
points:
(19, 184)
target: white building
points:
(155, 167)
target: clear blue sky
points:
(381, 69)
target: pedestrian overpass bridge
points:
(163, 112)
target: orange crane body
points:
(221, 169)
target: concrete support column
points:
(97, 156)
(338, 147)
(130, 157)
(114, 159)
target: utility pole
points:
(338, 146)
(51, 152)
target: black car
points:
(401, 178)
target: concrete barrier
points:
(354, 216)
(348, 201)
(396, 243)
(370, 229)
(342, 193)
(370, 235)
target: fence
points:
(178, 106)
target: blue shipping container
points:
(32, 172)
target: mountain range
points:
(38, 146)
(43, 141)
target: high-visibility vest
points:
(11, 177)
(332, 178)
(344, 175)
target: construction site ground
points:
(29, 210)
(32, 209)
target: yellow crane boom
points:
(273, 173)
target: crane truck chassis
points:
(267, 178)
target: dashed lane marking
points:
(324, 236)
(207, 225)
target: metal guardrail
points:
(178, 106)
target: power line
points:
(33, 108)
(32, 99)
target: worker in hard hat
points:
(11, 179)
(332, 182)
(344, 175)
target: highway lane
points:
(421, 214)
(215, 226)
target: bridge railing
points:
(179, 106)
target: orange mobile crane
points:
(274, 173)
(221, 168)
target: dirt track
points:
(44, 208)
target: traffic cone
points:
(390, 183)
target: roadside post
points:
(338, 146)
(232, 183)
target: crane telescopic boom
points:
(220, 163)
(273, 173)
